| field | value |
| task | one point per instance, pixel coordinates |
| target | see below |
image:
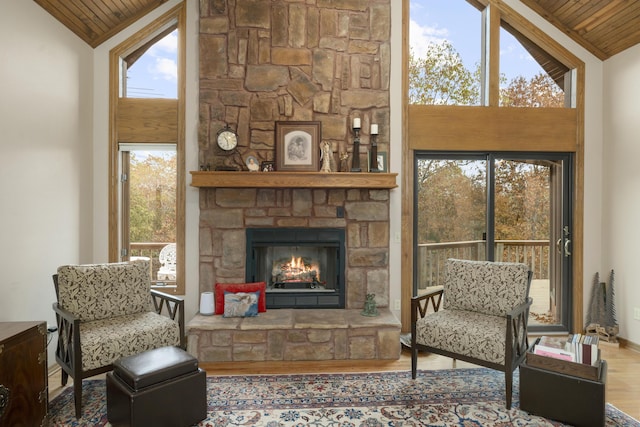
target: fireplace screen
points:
(299, 272)
(301, 267)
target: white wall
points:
(45, 174)
(621, 201)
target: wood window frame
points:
(165, 122)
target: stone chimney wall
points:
(263, 61)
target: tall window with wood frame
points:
(491, 181)
(147, 151)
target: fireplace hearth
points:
(302, 267)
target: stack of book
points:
(576, 348)
(585, 348)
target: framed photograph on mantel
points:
(298, 146)
(382, 161)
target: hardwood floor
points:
(622, 389)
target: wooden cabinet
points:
(23, 374)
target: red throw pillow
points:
(221, 288)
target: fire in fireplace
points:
(300, 272)
(302, 267)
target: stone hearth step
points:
(295, 334)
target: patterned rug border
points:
(462, 397)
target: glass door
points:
(513, 207)
(148, 209)
(451, 194)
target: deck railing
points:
(431, 257)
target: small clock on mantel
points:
(227, 142)
(227, 139)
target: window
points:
(445, 62)
(450, 59)
(490, 60)
(147, 150)
(512, 207)
(529, 76)
(152, 69)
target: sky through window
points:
(155, 74)
(456, 21)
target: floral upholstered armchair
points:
(108, 311)
(483, 318)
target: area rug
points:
(458, 397)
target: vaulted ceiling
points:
(603, 27)
(95, 21)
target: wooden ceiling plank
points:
(140, 4)
(88, 15)
(550, 6)
(575, 16)
(106, 13)
(626, 21)
(595, 50)
(70, 17)
(600, 17)
(126, 22)
(567, 10)
(126, 8)
(602, 27)
(622, 35)
(624, 44)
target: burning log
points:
(295, 271)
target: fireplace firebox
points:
(302, 267)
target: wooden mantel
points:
(293, 180)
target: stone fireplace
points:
(291, 60)
(297, 333)
(302, 267)
(227, 214)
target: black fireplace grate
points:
(266, 245)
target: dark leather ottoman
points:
(161, 387)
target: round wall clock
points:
(227, 139)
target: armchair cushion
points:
(100, 291)
(106, 340)
(485, 287)
(465, 332)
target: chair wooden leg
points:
(414, 362)
(64, 378)
(508, 379)
(77, 394)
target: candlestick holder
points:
(355, 161)
(373, 154)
